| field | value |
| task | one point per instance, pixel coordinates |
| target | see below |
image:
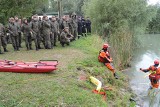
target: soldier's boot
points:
(5, 50)
(18, 48)
(55, 44)
(15, 48)
(30, 47)
(27, 47)
(115, 76)
(62, 44)
(52, 46)
(46, 47)
(39, 47)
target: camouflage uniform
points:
(74, 27)
(18, 24)
(13, 30)
(54, 30)
(26, 29)
(65, 24)
(41, 33)
(65, 38)
(3, 41)
(46, 30)
(36, 33)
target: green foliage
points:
(154, 24)
(22, 8)
(69, 6)
(118, 21)
(113, 14)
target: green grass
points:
(63, 87)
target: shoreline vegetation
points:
(119, 23)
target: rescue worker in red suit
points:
(155, 74)
(104, 57)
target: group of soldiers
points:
(46, 31)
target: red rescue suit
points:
(105, 58)
(154, 76)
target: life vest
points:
(103, 55)
(154, 77)
(154, 74)
(152, 69)
(158, 71)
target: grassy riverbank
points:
(66, 86)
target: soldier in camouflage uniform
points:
(26, 29)
(41, 31)
(74, 26)
(65, 37)
(46, 31)
(13, 30)
(3, 41)
(18, 24)
(65, 22)
(54, 30)
(35, 26)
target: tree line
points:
(154, 24)
(21, 8)
(26, 8)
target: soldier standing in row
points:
(74, 26)
(84, 27)
(54, 30)
(13, 30)
(46, 31)
(35, 31)
(79, 27)
(41, 31)
(3, 42)
(88, 25)
(65, 22)
(18, 24)
(26, 29)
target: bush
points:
(118, 21)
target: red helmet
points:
(105, 46)
(156, 62)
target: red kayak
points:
(43, 66)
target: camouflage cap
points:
(53, 17)
(35, 16)
(11, 18)
(44, 16)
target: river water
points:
(144, 56)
